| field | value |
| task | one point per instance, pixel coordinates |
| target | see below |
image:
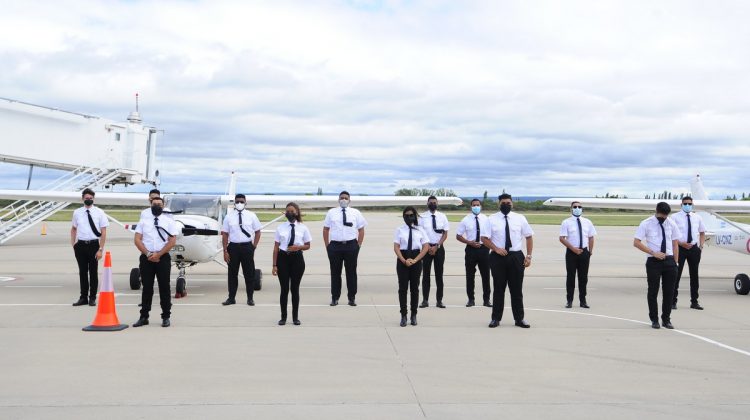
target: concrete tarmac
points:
(356, 362)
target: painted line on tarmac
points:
(31, 287)
(563, 288)
(696, 336)
(4, 279)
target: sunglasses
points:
(577, 207)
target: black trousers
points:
(88, 268)
(343, 254)
(473, 258)
(408, 281)
(693, 258)
(241, 254)
(580, 264)
(666, 271)
(507, 271)
(160, 270)
(290, 267)
(439, 261)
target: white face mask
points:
(344, 203)
(239, 206)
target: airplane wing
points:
(711, 206)
(102, 198)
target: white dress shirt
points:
(569, 229)
(284, 232)
(335, 222)
(151, 239)
(146, 213)
(696, 224)
(441, 222)
(519, 230)
(468, 226)
(649, 232)
(231, 225)
(81, 222)
(418, 237)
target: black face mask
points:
(661, 219)
(291, 217)
(505, 208)
(432, 206)
(410, 220)
(156, 210)
(88, 202)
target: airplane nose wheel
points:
(742, 284)
(181, 286)
(135, 279)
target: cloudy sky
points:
(535, 97)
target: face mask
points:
(476, 209)
(505, 208)
(156, 210)
(687, 208)
(661, 219)
(344, 203)
(239, 206)
(432, 206)
(410, 219)
(577, 212)
(291, 217)
(88, 201)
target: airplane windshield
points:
(200, 205)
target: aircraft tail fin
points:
(232, 189)
(697, 190)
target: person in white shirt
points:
(577, 234)
(343, 234)
(87, 237)
(436, 225)
(240, 235)
(290, 239)
(691, 240)
(469, 232)
(505, 238)
(410, 244)
(154, 238)
(657, 236)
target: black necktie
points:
(580, 233)
(690, 230)
(350, 224)
(663, 238)
(239, 214)
(434, 225)
(408, 243)
(508, 244)
(476, 219)
(291, 237)
(159, 228)
(93, 225)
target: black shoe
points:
(228, 302)
(470, 303)
(141, 322)
(251, 302)
(569, 304)
(296, 322)
(403, 320)
(140, 305)
(165, 322)
(494, 323)
(668, 325)
(655, 325)
(92, 302)
(282, 321)
(523, 324)
(352, 302)
(440, 305)
(81, 302)
(334, 302)
(424, 304)
(696, 306)
(487, 303)
(413, 319)
(585, 305)
(674, 306)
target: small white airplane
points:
(201, 216)
(720, 231)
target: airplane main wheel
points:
(742, 284)
(135, 279)
(180, 288)
(258, 280)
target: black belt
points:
(667, 258)
(92, 241)
(290, 252)
(345, 242)
(240, 243)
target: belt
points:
(240, 243)
(89, 242)
(290, 253)
(345, 242)
(668, 257)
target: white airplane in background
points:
(201, 216)
(720, 231)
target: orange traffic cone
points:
(106, 316)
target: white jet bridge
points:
(96, 153)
